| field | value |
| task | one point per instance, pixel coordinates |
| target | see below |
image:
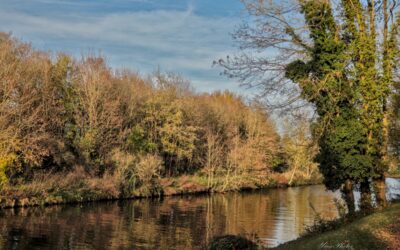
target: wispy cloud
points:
(176, 40)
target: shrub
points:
(148, 169)
(138, 174)
(125, 165)
(5, 163)
(227, 242)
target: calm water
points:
(273, 216)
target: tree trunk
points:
(380, 191)
(365, 202)
(291, 177)
(348, 196)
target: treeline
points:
(59, 114)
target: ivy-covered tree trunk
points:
(348, 195)
(365, 199)
(380, 192)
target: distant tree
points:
(59, 114)
(299, 148)
(33, 108)
(99, 113)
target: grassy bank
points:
(78, 187)
(380, 230)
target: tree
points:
(63, 116)
(299, 148)
(34, 104)
(99, 114)
(341, 59)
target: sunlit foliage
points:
(60, 115)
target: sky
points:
(180, 36)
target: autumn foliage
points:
(59, 115)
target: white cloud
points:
(179, 41)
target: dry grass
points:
(76, 185)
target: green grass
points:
(380, 230)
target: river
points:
(270, 217)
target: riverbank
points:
(380, 230)
(76, 188)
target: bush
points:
(5, 163)
(138, 174)
(148, 169)
(227, 242)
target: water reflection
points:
(393, 189)
(274, 216)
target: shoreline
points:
(26, 202)
(167, 189)
(377, 230)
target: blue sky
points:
(181, 36)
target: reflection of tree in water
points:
(171, 223)
(57, 227)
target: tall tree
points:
(339, 56)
